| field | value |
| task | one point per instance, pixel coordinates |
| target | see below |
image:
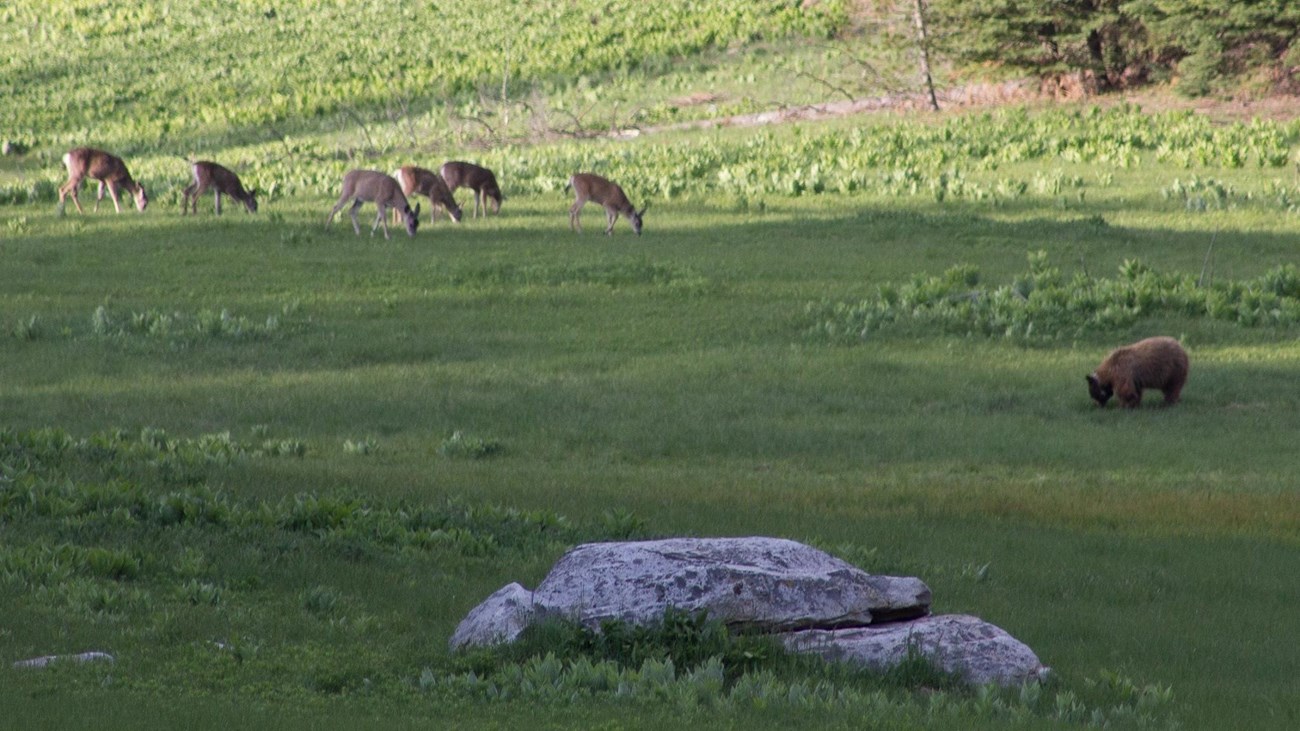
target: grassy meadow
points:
(269, 465)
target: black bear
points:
(1152, 363)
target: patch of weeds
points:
(97, 601)
(1200, 194)
(696, 665)
(360, 447)
(191, 563)
(31, 566)
(214, 324)
(200, 593)
(100, 323)
(283, 448)
(622, 524)
(685, 660)
(461, 445)
(616, 275)
(27, 329)
(1043, 305)
(862, 557)
(321, 601)
(295, 237)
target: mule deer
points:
(103, 167)
(431, 185)
(478, 179)
(362, 186)
(221, 180)
(592, 187)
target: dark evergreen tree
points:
(1213, 41)
(1046, 37)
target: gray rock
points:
(45, 660)
(499, 619)
(765, 583)
(978, 651)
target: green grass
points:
(670, 378)
(269, 466)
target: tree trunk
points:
(923, 46)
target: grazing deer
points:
(361, 186)
(107, 169)
(431, 185)
(478, 179)
(591, 187)
(220, 180)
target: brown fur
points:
(1159, 363)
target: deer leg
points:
(99, 195)
(611, 217)
(381, 220)
(575, 213)
(356, 205)
(337, 207)
(113, 192)
(218, 201)
(71, 186)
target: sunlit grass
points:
(667, 381)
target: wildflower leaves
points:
(1044, 304)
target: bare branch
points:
(827, 84)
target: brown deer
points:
(361, 186)
(478, 179)
(107, 169)
(592, 187)
(221, 180)
(431, 185)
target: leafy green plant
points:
(1043, 305)
(28, 328)
(321, 601)
(461, 445)
(361, 447)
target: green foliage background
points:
(1207, 45)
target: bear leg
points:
(1129, 394)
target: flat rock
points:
(980, 652)
(498, 620)
(768, 584)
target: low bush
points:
(1043, 305)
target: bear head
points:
(1100, 392)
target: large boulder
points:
(498, 620)
(978, 651)
(768, 584)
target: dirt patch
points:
(1021, 92)
(696, 99)
(990, 94)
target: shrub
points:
(1042, 304)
